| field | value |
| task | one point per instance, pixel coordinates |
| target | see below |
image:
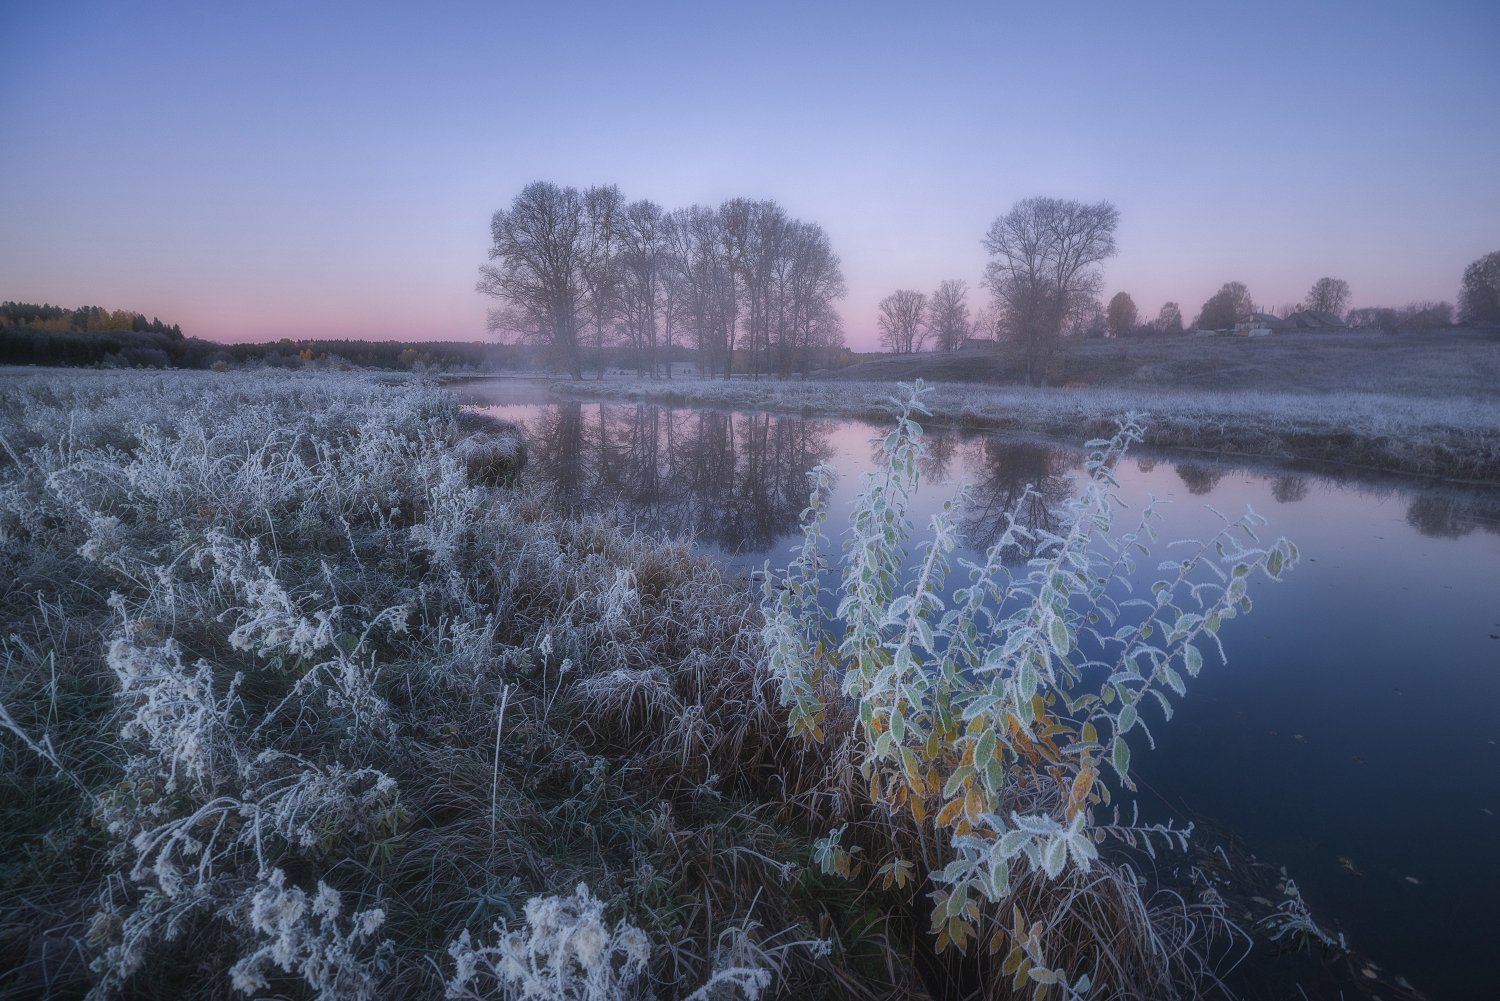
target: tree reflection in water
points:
(999, 472)
(1199, 479)
(1445, 517)
(736, 481)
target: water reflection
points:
(1198, 478)
(736, 481)
(1444, 517)
(999, 472)
(1289, 489)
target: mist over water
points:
(1354, 735)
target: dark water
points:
(1351, 738)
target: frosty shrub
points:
(567, 951)
(312, 940)
(993, 717)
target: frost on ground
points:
(297, 689)
(302, 695)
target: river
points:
(1352, 736)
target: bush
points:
(988, 719)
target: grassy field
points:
(1426, 409)
(1462, 363)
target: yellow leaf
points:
(973, 804)
(949, 812)
(1082, 786)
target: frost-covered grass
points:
(1449, 437)
(301, 695)
(296, 697)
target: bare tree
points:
(1044, 257)
(1122, 314)
(1169, 320)
(808, 278)
(604, 208)
(1238, 297)
(948, 314)
(1328, 295)
(642, 273)
(988, 323)
(900, 320)
(694, 242)
(540, 257)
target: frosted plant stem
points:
(43, 750)
(495, 777)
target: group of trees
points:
(743, 283)
(83, 320)
(909, 321)
(1043, 278)
(89, 335)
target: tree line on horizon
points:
(90, 336)
(1044, 277)
(745, 284)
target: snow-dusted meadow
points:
(299, 696)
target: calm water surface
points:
(1352, 737)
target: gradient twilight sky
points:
(264, 169)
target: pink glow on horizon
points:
(347, 193)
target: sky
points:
(261, 170)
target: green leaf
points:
(1126, 720)
(1012, 843)
(1054, 857)
(956, 780)
(1057, 633)
(1192, 659)
(984, 750)
(1121, 757)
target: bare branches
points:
(903, 320)
(948, 315)
(1044, 257)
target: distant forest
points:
(94, 336)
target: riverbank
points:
(304, 691)
(1454, 439)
